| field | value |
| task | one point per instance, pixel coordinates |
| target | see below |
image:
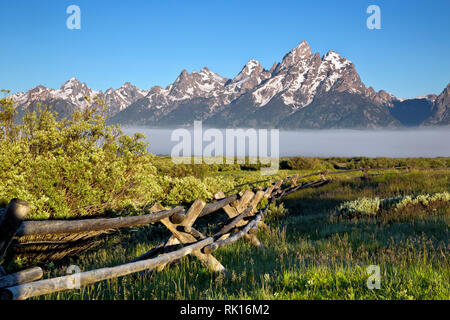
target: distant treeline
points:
(166, 167)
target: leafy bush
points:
(423, 199)
(360, 207)
(304, 163)
(373, 206)
(166, 167)
(72, 167)
(275, 212)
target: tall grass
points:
(308, 253)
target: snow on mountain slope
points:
(301, 78)
(73, 93)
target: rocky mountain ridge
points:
(304, 90)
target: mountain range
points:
(304, 90)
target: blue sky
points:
(149, 42)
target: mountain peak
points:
(182, 76)
(303, 45)
(39, 87)
(335, 59)
(301, 52)
(250, 66)
(210, 76)
(127, 85)
(252, 61)
(331, 54)
(251, 70)
(71, 81)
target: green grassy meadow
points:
(309, 253)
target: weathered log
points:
(76, 226)
(278, 184)
(219, 195)
(20, 277)
(229, 210)
(305, 186)
(177, 217)
(235, 209)
(268, 191)
(276, 189)
(219, 244)
(190, 216)
(47, 286)
(227, 228)
(217, 205)
(192, 231)
(193, 213)
(181, 237)
(184, 220)
(210, 208)
(11, 221)
(256, 199)
(294, 180)
(244, 201)
(254, 203)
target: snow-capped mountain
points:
(304, 90)
(72, 95)
(119, 99)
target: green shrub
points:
(304, 163)
(73, 167)
(374, 206)
(275, 212)
(360, 207)
(423, 199)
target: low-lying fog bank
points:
(414, 142)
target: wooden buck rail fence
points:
(243, 222)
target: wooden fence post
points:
(294, 180)
(10, 221)
(183, 237)
(268, 191)
(238, 207)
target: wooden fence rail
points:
(75, 226)
(23, 276)
(244, 220)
